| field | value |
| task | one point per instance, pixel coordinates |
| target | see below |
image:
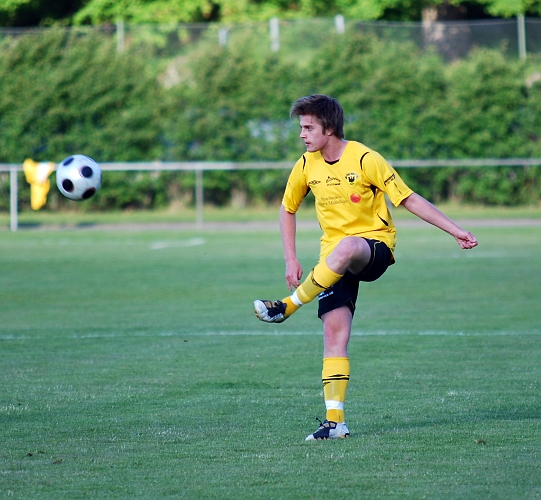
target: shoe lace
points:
(320, 422)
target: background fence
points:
(452, 39)
(200, 167)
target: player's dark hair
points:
(325, 109)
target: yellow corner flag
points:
(37, 175)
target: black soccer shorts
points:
(345, 292)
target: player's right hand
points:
(293, 274)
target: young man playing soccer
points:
(349, 182)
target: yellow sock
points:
(319, 279)
(335, 377)
(291, 307)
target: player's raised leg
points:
(276, 311)
(352, 253)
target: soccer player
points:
(349, 182)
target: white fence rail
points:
(200, 167)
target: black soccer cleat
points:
(329, 430)
(270, 311)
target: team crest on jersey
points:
(352, 178)
(333, 181)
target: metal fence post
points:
(274, 26)
(340, 24)
(120, 36)
(199, 201)
(222, 36)
(521, 33)
(13, 196)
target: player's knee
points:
(351, 249)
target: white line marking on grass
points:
(444, 333)
(376, 333)
(160, 245)
(269, 333)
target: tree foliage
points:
(509, 8)
(68, 91)
(99, 11)
(45, 13)
(37, 12)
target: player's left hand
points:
(466, 240)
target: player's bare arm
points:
(288, 229)
(423, 209)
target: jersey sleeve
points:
(296, 188)
(380, 173)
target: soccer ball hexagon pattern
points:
(78, 177)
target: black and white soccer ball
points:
(78, 177)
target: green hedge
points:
(65, 92)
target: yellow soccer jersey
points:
(349, 194)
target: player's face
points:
(312, 133)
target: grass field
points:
(132, 366)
